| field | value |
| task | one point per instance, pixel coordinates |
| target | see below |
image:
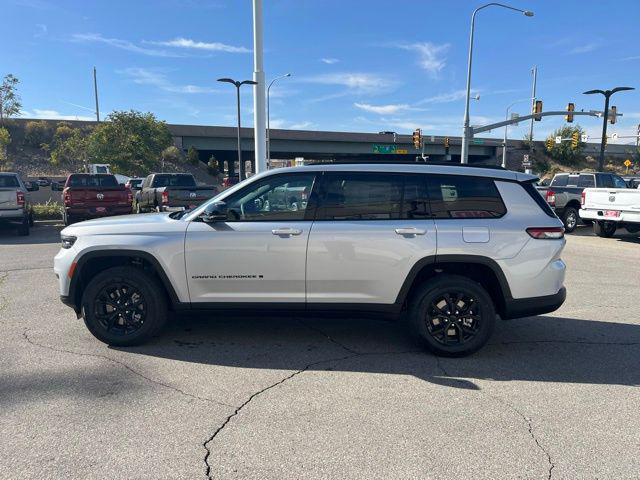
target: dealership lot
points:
(551, 397)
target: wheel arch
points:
(483, 270)
(94, 262)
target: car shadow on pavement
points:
(42, 232)
(541, 349)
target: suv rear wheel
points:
(451, 316)
(124, 306)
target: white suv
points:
(445, 248)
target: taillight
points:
(546, 233)
(165, 197)
(129, 195)
(582, 198)
(66, 198)
(20, 199)
(551, 198)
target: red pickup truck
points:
(87, 195)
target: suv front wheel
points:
(124, 306)
(451, 316)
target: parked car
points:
(230, 181)
(447, 248)
(612, 208)
(134, 184)
(170, 192)
(15, 202)
(32, 186)
(88, 195)
(564, 193)
(44, 181)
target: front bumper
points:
(528, 307)
(625, 216)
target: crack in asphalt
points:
(527, 420)
(124, 365)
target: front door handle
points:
(286, 232)
(410, 231)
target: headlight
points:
(67, 241)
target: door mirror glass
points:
(215, 212)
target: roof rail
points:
(407, 162)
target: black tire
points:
(109, 320)
(23, 228)
(633, 229)
(31, 220)
(604, 229)
(570, 218)
(453, 336)
(67, 219)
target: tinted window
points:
(454, 196)
(277, 197)
(415, 201)
(8, 181)
(588, 181)
(174, 181)
(560, 181)
(135, 183)
(618, 182)
(92, 181)
(361, 196)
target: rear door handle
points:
(410, 231)
(286, 232)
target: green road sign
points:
(478, 141)
(385, 149)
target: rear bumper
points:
(625, 217)
(528, 307)
(92, 212)
(13, 215)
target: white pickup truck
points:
(610, 209)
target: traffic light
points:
(569, 116)
(417, 138)
(446, 142)
(575, 140)
(537, 108)
(613, 113)
(549, 144)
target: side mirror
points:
(215, 212)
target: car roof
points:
(475, 171)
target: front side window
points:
(560, 181)
(456, 196)
(619, 182)
(277, 197)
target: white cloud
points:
(355, 82)
(187, 43)
(382, 109)
(283, 124)
(121, 44)
(586, 48)
(52, 115)
(329, 61)
(453, 96)
(431, 57)
(142, 76)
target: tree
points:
(193, 156)
(37, 133)
(71, 152)
(564, 152)
(10, 104)
(129, 141)
(5, 140)
(63, 132)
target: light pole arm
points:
(485, 128)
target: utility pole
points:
(534, 72)
(259, 116)
(95, 90)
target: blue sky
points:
(356, 65)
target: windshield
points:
(8, 181)
(174, 181)
(92, 181)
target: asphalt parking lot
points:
(554, 396)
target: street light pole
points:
(269, 117)
(504, 144)
(464, 157)
(258, 91)
(95, 90)
(238, 84)
(607, 95)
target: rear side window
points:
(174, 181)
(588, 181)
(8, 181)
(457, 196)
(533, 192)
(560, 181)
(92, 181)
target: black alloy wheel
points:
(120, 308)
(453, 318)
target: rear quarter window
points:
(8, 181)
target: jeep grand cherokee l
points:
(445, 248)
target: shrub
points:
(212, 166)
(5, 140)
(47, 211)
(172, 154)
(193, 156)
(63, 132)
(37, 133)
